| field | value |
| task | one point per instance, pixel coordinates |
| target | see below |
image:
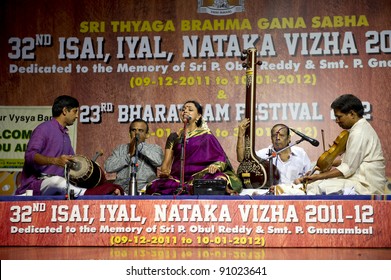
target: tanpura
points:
(254, 172)
(325, 161)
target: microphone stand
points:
(274, 155)
(271, 177)
(70, 195)
(133, 191)
(183, 153)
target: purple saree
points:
(201, 150)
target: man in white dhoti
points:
(361, 169)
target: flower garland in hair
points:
(204, 124)
(200, 129)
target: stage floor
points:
(161, 253)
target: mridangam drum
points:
(85, 172)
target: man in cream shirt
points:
(361, 170)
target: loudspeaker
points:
(209, 187)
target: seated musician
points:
(291, 163)
(149, 158)
(204, 158)
(361, 170)
(49, 152)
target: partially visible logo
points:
(220, 7)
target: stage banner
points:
(129, 59)
(197, 223)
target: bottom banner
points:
(197, 223)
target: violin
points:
(326, 160)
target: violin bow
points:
(324, 148)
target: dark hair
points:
(348, 102)
(283, 126)
(199, 110)
(138, 120)
(63, 101)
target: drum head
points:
(85, 172)
(81, 168)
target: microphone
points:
(186, 119)
(134, 167)
(313, 141)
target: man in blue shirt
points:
(149, 158)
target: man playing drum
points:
(49, 154)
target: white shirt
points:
(296, 166)
(363, 160)
(363, 166)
